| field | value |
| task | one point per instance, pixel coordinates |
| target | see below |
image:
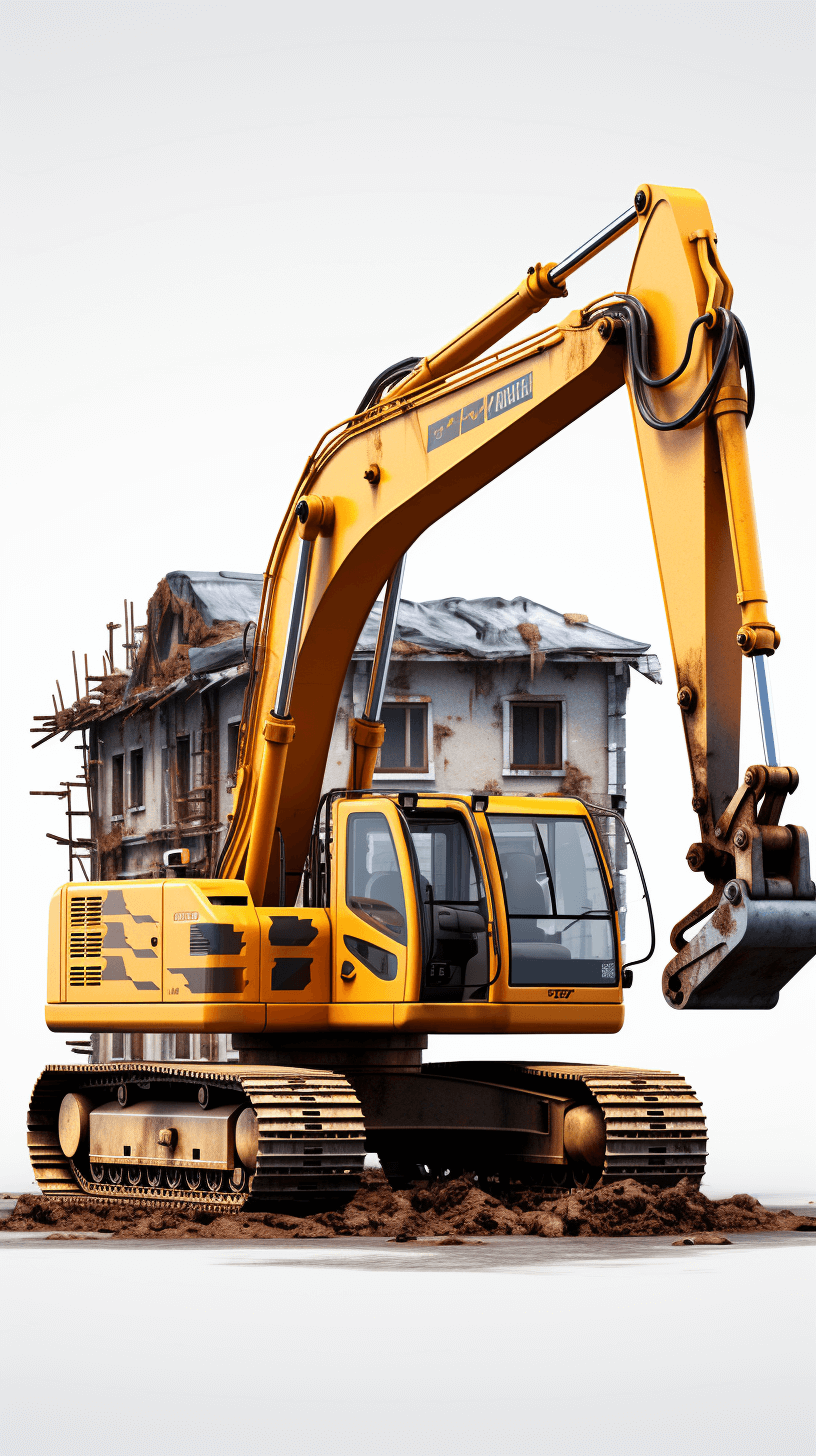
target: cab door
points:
(377, 942)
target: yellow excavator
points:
(343, 928)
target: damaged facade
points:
(491, 695)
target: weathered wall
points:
(468, 750)
(466, 708)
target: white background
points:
(224, 220)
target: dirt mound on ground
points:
(449, 1210)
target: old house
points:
(506, 696)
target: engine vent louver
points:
(84, 941)
(90, 976)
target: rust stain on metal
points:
(724, 919)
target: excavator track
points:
(655, 1127)
(654, 1121)
(321, 1157)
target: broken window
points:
(406, 738)
(535, 735)
(117, 785)
(183, 775)
(233, 730)
(136, 778)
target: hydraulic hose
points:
(387, 379)
(638, 328)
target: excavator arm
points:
(377, 481)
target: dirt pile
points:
(449, 1210)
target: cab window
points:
(454, 907)
(374, 889)
(560, 916)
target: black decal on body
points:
(115, 971)
(291, 975)
(204, 980)
(214, 940)
(381, 962)
(115, 939)
(115, 905)
(289, 930)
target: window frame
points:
(232, 765)
(399, 775)
(135, 805)
(117, 814)
(183, 804)
(540, 771)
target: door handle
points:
(347, 971)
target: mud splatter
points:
(449, 1210)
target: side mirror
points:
(176, 859)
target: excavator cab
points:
(438, 903)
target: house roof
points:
(493, 627)
(228, 602)
(219, 596)
(483, 627)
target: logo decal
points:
(510, 395)
(186, 915)
(472, 415)
(443, 430)
(560, 995)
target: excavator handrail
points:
(615, 814)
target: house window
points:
(117, 785)
(183, 775)
(535, 736)
(233, 730)
(406, 738)
(136, 778)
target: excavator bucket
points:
(743, 956)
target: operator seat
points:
(526, 896)
(388, 889)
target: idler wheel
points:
(585, 1136)
(74, 1123)
(246, 1138)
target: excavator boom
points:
(379, 480)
